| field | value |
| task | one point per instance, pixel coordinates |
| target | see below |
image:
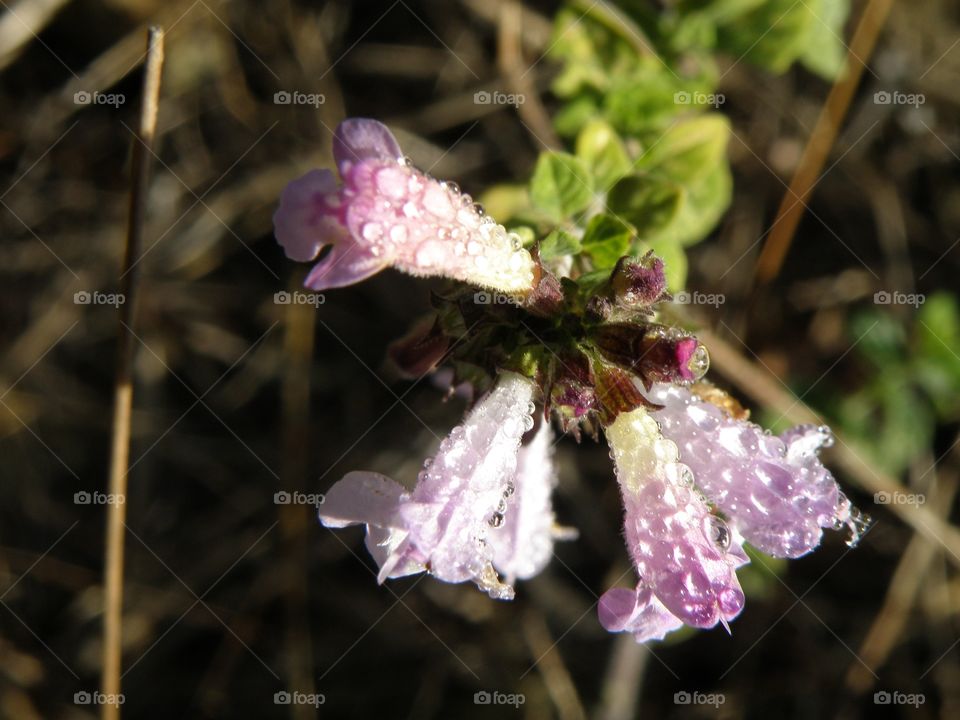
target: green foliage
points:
(640, 104)
(914, 381)
(561, 185)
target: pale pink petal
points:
(305, 221)
(638, 612)
(358, 139)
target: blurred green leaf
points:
(772, 35)
(606, 240)
(825, 51)
(704, 203)
(557, 244)
(689, 150)
(647, 203)
(561, 185)
(505, 201)
(601, 149)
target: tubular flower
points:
(388, 213)
(447, 524)
(685, 555)
(523, 546)
(774, 490)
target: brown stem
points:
(123, 386)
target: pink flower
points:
(388, 213)
(773, 489)
(685, 555)
(523, 546)
(451, 523)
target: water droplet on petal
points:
(496, 520)
(699, 362)
(717, 532)
(371, 231)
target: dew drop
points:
(510, 489)
(496, 520)
(718, 532)
(398, 233)
(371, 231)
(527, 422)
(699, 362)
(516, 242)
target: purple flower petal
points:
(680, 549)
(638, 612)
(303, 222)
(444, 525)
(773, 489)
(359, 139)
(523, 544)
(387, 212)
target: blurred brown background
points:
(231, 598)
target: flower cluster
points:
(697, 479)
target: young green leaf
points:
(561, 185)
(599, 146)
(606, 240)
(647, 203)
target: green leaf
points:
(649, 204)
(504, 202)
(825, 52)
(606, 240)
(601, 149)
(561, 185)
(557, 244)
(689, 150)
(703, 205)
(773, 35)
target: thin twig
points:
(822, 138)
(123, 387)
